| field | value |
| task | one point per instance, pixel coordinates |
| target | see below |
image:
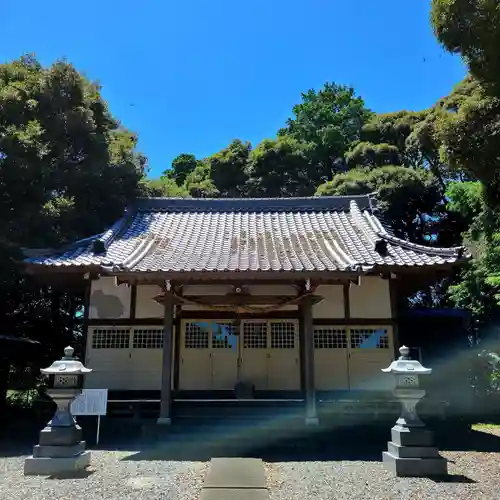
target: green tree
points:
(394, 129)
(281, 167)
(468, 127)
(67, 168)
(367, 154)
(163, 187)
(478, 285)
(182, 166)
(407, 196)
(199, 182)
(471, 28)
(330, 120)
(228, 168)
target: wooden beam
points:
(240, 299)
(347, 300)
(233, 299)
(133, 301)
(353, 321)
(125, 322)
(236, 277)
(231, 315)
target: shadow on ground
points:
(311, 444)
(453, 478)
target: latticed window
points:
(223, 336)
(369, 338)
(196, 336)
(111, 338)
(283, 335)
(148, 338)
(254, 335)
(329, 337)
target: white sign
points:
(90, 402)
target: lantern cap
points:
(67, 364)
(404, 364)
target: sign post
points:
(91, 402)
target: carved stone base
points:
(412, 453)
(47, 466)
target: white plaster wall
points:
(332, 305)
(146, 307)
(371, 299)
(109, 301)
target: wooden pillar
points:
(85, 326)
(393, 292)
(166, 375)
(308, 357)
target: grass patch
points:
(485, 427)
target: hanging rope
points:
(239, 308)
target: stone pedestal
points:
(411, 453)
(61, 449)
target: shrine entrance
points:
(215, 355)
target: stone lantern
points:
(60, 447)
(411, 451)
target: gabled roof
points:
(338, 233)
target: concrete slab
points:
(235, 473)
(234, 494)
(42, 466)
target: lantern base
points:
(411, 436)
(415, 467)
(49, 466)
(412, 453)
(60, 436)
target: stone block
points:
(415, 467)
(235, 473)
(58, 451)
(234, 494)
(411, 436)
(412, 451)
(44, 466)
(60, 436)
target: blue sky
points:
(191, 75)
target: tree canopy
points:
(68, 168)
(67, 171)
(471, 28)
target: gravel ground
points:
(109, 478)
(473, 475)
(122, 475)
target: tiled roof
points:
(286, 234)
